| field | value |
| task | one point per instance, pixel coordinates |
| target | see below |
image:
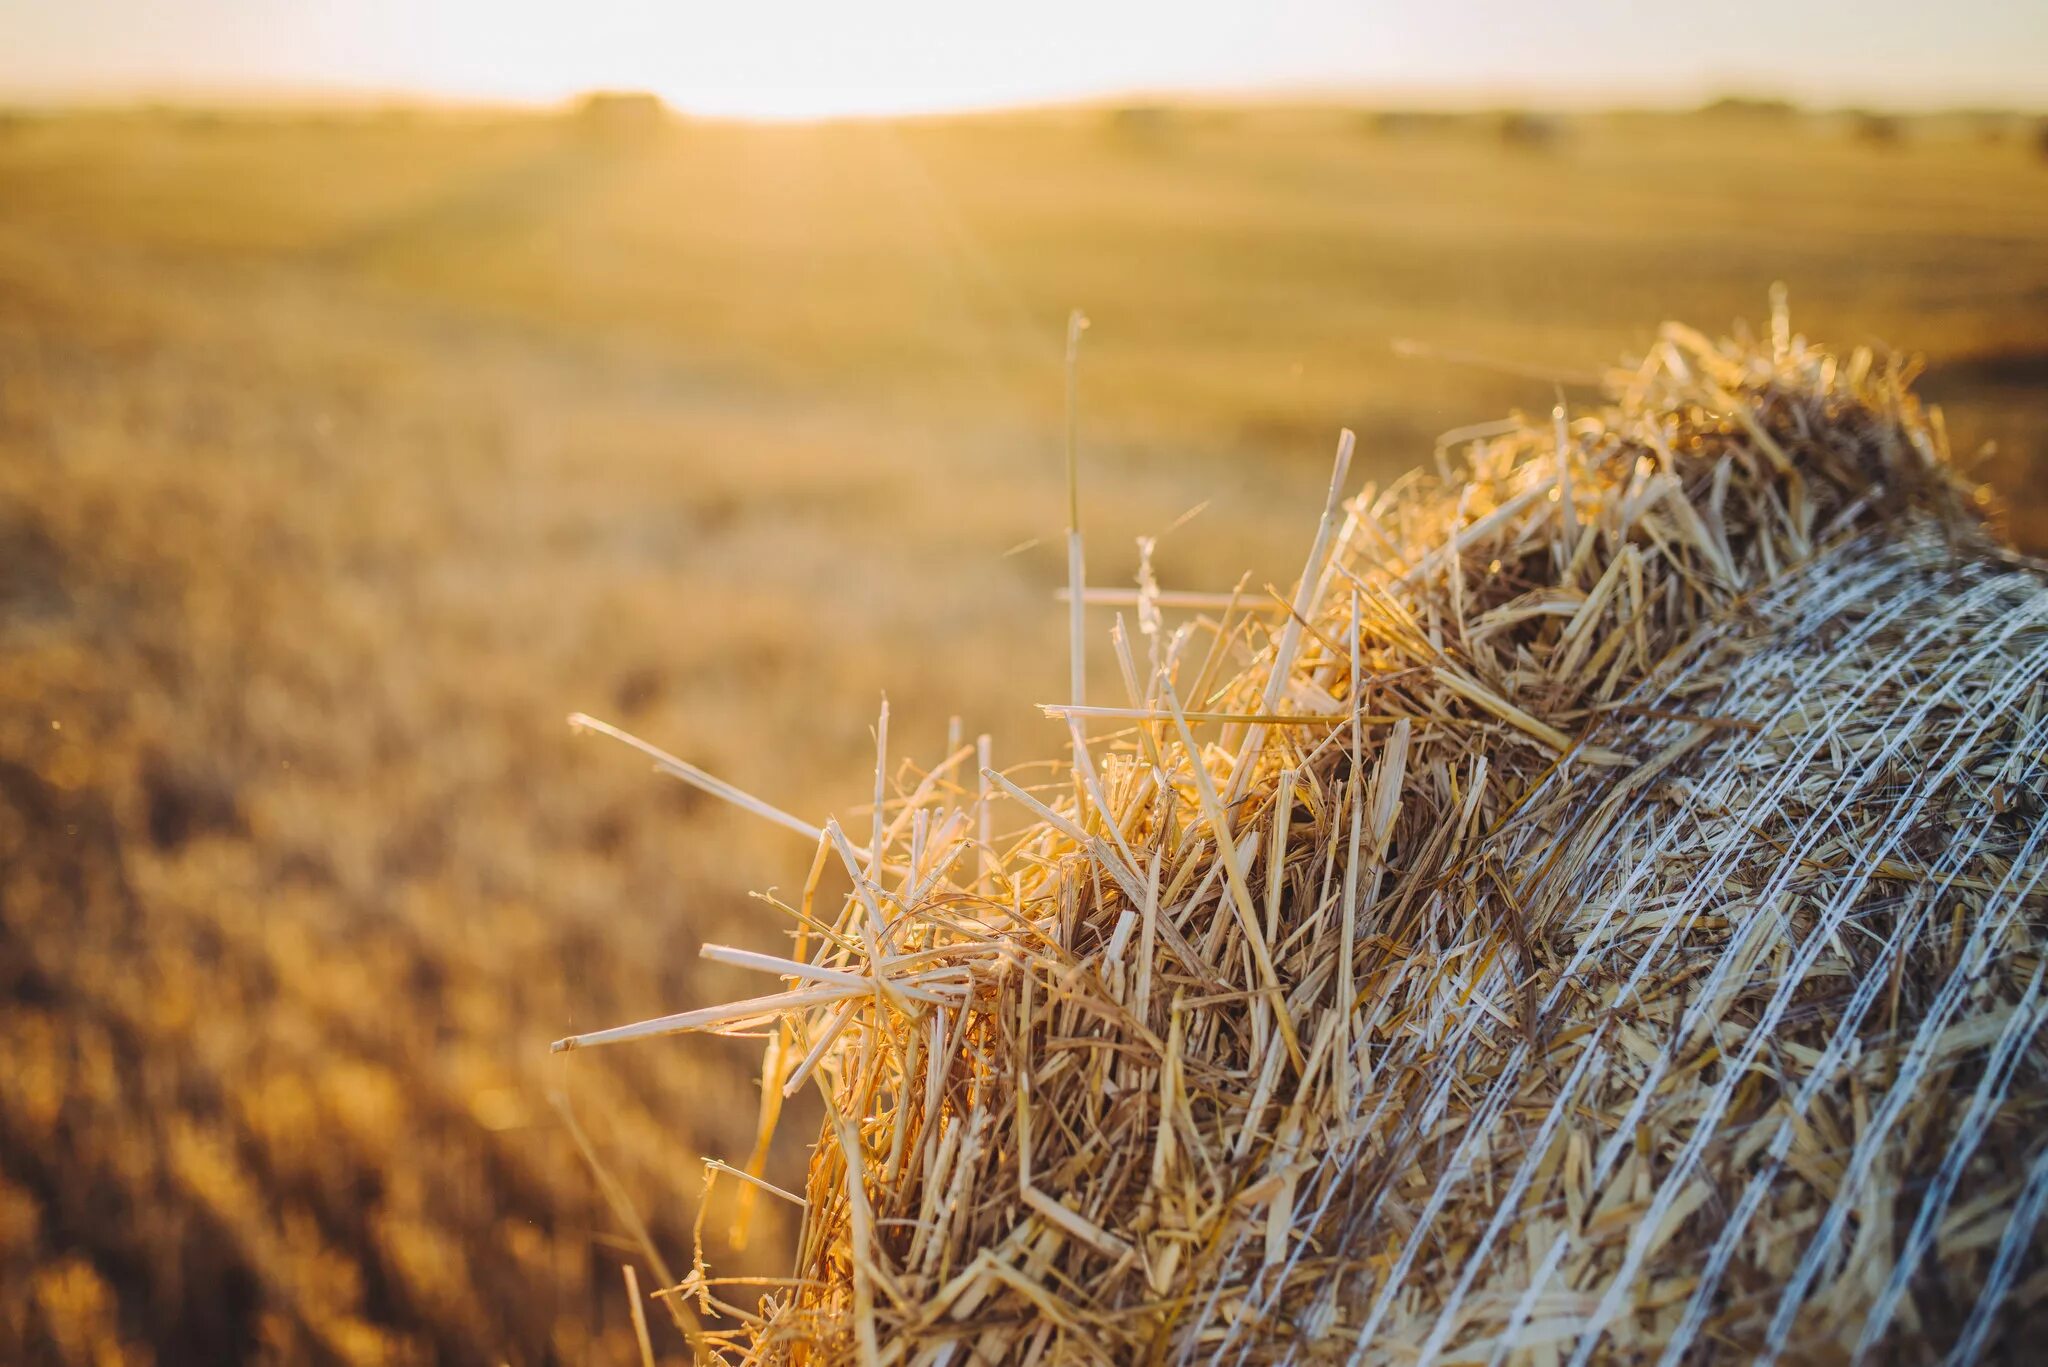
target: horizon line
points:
(1445, 97)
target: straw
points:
(1595, 916)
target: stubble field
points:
(342, 455)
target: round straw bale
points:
(1602, 922)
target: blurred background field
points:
(343, 453)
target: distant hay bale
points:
(1751, 108)
(1597, 916)
(1876, 130)
(620, 115)
(1527, 132)
(1145, 127)
(1140, 118)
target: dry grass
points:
(342, 456)
(1598, 915)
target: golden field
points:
(342, 455)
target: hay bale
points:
(1750, 109)
(620, 116)
(1524, 131)
(1148, 128)
(1599, 917)
(1874, 129)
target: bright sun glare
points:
(799, 59)
(788, 59)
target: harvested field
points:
(343, 454)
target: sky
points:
(803, 58)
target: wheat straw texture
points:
(1595, 916)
